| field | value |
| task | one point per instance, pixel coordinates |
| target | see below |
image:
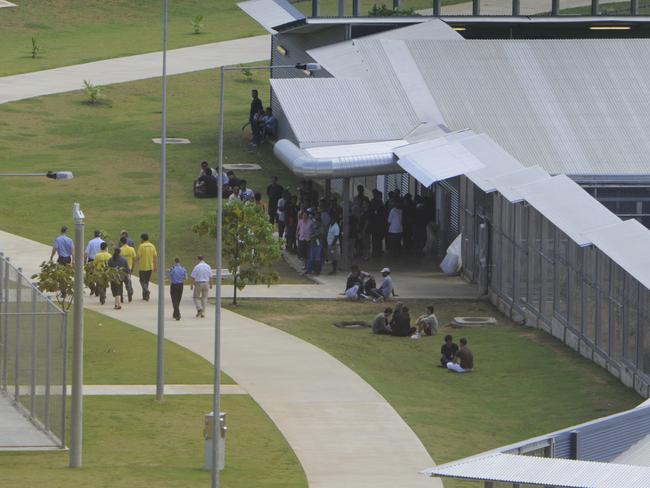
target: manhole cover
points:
(474, 321)
(352, 325)
(172, 140)
(243, 166)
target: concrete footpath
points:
(504, 7)
(131, 68)
(343, 431)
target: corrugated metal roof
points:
(329, 111)
(437, 159)
(565, 473)
(569, 106)
(497, 162)
(355, 149)
(627, 244)
(568, 207)
(271, 13)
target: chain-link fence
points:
(32, 351)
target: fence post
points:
(5, 328)
(3, 292)
(32, 386)
(17, 358)
(436, 8)
(64, 375)
(48, 365)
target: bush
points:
(385, 11)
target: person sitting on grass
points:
(207, 185)
(400, 325)
(426, 324)
(270, 128)
(448, 351)
(385, 289)
(380, 324)
(464, 361)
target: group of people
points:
(125, 258)
(398, 322)
(262, 121)
(206, 185)
(401, 223)
(454, 358)
(361, 285)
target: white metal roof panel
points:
(328, 111)
(436, 160)
(577, 106)
(627, 244)
(271, 13)
(497, 161)
(565, 473)
(343, 150)
(568, 207)
(506, 184)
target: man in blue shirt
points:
(64, 247)
(177, 275)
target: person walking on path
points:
(147, 263)
(101, 261)
(117, 287)
(64, 247)
(177, 276)
(94, 246)
(464, 360)
(128, 252)
(200, 283)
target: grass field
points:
(80, 31)
(525, 382)
(116, 353)
(136, 442)
(116, 165)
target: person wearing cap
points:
(146, 259)
(385, 289)
(177, 276)
(200, 283)
(64, 247)
(93, 246)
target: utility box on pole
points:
(207, 435)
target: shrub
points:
(93, 92)
(197, 24)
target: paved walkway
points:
(131, 68)
(504, 7)
(343, 431)
(17, 432)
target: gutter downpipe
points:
(306, 166)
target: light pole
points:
(216, 398)
(160, 336)
(76, 407)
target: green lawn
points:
(116, 166)
(116, 353)
(525, 383)
(80, 31)
(136, 442)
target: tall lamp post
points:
(76, 407)
(216, 398)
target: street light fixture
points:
(55, 175)
(216, 399)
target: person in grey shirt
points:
(380, 324)
(385, 289)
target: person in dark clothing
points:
(401, 322)
(408, 221)
(274, 192)
(448, 351)
(464, 362)
(207, 185)
(377, 222)
(292, 223)
(117, 286)
(256, 107)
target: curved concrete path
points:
(343, 432)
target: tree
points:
(58, 279)
(249, 246)
(384, 11)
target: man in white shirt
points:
(333, 246)
(94, 246)
(394, 230)
(385, 289)
(200, 282)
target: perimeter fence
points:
(33, 345)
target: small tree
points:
(249, 246)
(197, 24)
(101, 276)
(58, 279)
(36, 48)
(93, 92)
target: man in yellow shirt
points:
(101, 261)
(128, 253)
(147, 256)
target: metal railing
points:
(33, 345)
